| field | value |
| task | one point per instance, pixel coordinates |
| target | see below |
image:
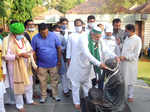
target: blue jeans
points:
(148, 51)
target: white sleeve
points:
(135, 54)
(83, 42)
(101, 52)
(4, 67)
(69, 48)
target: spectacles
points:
(31, 24)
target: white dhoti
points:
(2, 91)
(28, 95)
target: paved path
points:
(141, 104)
(142, 98)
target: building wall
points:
(125, 18)
(147, 34)
(146, 19)
(106, 18)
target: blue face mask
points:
(19, 37)
(63, 27)
(127, 34)
(108, 37)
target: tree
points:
(66, 5)
(80, 1)
(2, 9)
(22, 9)
(54, 3)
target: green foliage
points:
(54, 3)
(2, 9)
(80, 1)
(4, 34)
(22, 9)
(143, 70)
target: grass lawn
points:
(144, 69)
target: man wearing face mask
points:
(18, 54)
(47, 49)
(110, 49)
(88, 53)
(63, 69)
(30, 29)
(73, 40)
(29, 33)
(90, 23)
(129, 60)
(109, 44)
(64, 27)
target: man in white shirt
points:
(90, 23)
(73, 39)
(73, 42)
(87, 54)
(129, 59)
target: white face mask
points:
(31, 29)
(92, 25)
(78, 29)
(19, 37)
(56, 32)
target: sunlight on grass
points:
(144, 71)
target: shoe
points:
(35, 95)
(70, 90)
(67, 94)
(34, 103)
(21, 110)
(77, 106)
(57, 98)
(49, 91)
(42, 100)
(130, 99)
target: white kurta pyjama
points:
(129, 68)
(80, 68)
(109, 47)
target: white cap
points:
(109, 29)
(97, 29)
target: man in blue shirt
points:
(48, 56)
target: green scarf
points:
(94, 50)
(1, 37)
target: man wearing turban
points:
(88, 54)
(18, 54)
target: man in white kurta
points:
(129, 57)
(72, 43)
(80, 66)
(109, 44)
(73, 39)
